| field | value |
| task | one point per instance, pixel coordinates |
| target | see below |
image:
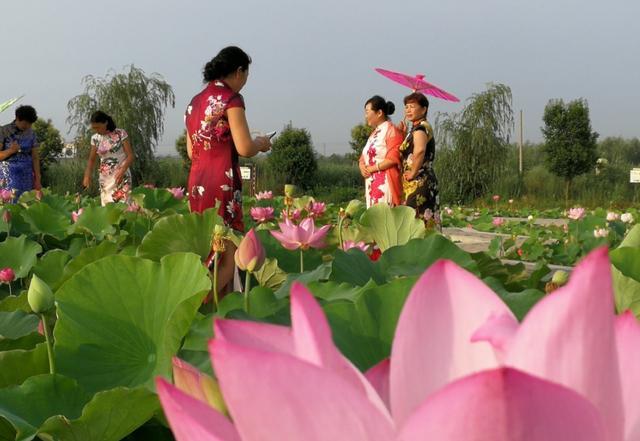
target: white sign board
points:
(634, 175)
(245, 173)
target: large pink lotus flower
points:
(6, 195)
(576, 213)
(303, 236)
(177, 192)
(250, 255)
(75, 215)
(264, 195)
(461, 367)
(316, 209)
(7, 275)
(261, 214)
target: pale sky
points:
(313, 61)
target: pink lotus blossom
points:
(576, 213)
(261, 214)
(7, 275)
(6, 195)
(133, 207)
(264, 195)
(348, 244)
(317, 209)
(600, 232)
(303, 236)
(495, 197)
(250, 253)
(461, 368)
(177, 192)
(498, 221)
(295, 215)
(627, 218)
(448, 211)
(612, 216)
(76, 214)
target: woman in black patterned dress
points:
(418, 151)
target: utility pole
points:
(520, 169)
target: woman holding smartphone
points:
(217, 134)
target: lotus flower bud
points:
(7, 275)
(353, 207)
(250, 254)
(560, 277)
(39, 296)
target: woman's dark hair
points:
(101, 117)
(26, 113)
(379, 103)
(417, 97)
(226, 62)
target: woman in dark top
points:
(418, 150)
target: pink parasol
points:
(418, 84)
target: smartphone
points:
(271, 134)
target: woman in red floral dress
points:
(217, 134)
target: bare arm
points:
(86, 181)
(245, 146)
(189, 146)
(12, 150)
(381, 166)
(35, 158)
(419, 149)
(122, 169)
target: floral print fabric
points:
(110, 150)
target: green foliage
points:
(136, 101)
(388, 227)
(181, 148)
(359, 135)
(292, 158)
(473, 144)
(570, 145)
(51, 142)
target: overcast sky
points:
(313, 61)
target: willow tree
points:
(136, 101)
(472, 145)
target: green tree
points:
(181, 148)
(359, 135)
(292, 158)
(51, 143)
(136, 101)
(473, 144)
(570, 145)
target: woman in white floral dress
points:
(112, 145)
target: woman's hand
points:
(364, 170)
(409, 176)
(119, 176)
(263, 143)
(14, 147)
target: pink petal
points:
(628, 344)
(192, 420)
(505, 405)
(317, 239)
(285, 241)
(255, 335)
(568, 338)
(499, 330)
(276, 397)
(197, 384)
(378, 376)
(305, 230)
(432, 344)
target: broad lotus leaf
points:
(44, 220)
(518, 302)
(54, 407)
(87, 256)
(4, 226)
(19, 254)
(16, 324)
(98, 221)
(414, 257)
(7, 432)
(391, 226)
(321, 273)
(363, 330)
(625, 272)
(264, 306)
(121, 318)
(18, 365)
(159, 199)
(181, 233)
(270, 275)
(26, 343)
(50, 267)
(15, 303)
(354, 267)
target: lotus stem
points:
(301, 261)
(47, 336)
(215, 279)
(247, 285)
(340, 221)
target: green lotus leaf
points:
(413, 258)
(15, 303)
(7, 432)
(270, 275)
(181, 233)
(519, 302)
(51, 266)
(87, 256)
(121, 318)
(98, 221)
(625, 271)
(354, 267)
(18, 365)
(17, 324)
(20, 254)
(159, 199)
(391, 226)
(332, 291)
(26, 343)
(321, 273)
(44, 220)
